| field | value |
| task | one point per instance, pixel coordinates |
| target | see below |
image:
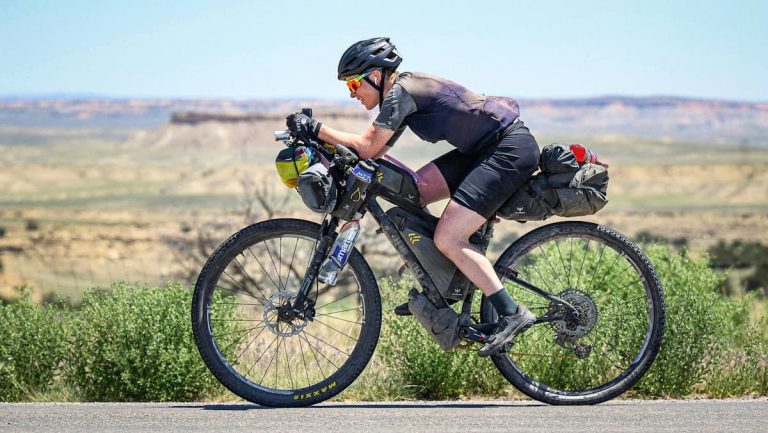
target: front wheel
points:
(600, 352)
(253, 342)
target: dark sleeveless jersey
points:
(448, 111)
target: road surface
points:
(463, 416)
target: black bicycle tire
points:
(308, 396)
(636, 370)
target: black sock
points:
(503, 303)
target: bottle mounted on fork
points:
(329, 270)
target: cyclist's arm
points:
(386, 129)
(371, 144)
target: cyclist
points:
(495, 154)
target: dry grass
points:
(134, 208)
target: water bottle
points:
(329, 270)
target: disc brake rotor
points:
(272, 315)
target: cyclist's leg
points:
(456, 225)
(439, 179)
(495, 176)
(491, 180)
(431, 184)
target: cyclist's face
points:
(366, 94)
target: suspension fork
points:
(327, 237)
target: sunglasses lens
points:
(353, 85)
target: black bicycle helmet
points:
(367, 54)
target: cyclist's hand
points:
(302, 126)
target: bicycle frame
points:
(468, 330)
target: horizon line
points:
(85, 96)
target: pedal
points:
(471, 334)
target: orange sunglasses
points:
(354, 83)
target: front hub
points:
(280, 317)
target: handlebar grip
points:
(346, 153)
(306, 111)
(282, 135)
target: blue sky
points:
(289, 49)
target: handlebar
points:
(346, 155)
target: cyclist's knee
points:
(446, 240)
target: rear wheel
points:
(600, 353)
(248, 336)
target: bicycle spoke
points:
(277, 350)
(607, 272)
(329, 326)
(318, 350)
(559, 254)
(597, 266)
(288, 364)
(557, 275)
(241, 331)
(570, 262)
(277, 286)
(304, 361)
(337, 300)
(312, 351)
(248, 276)
(249, 345)
(338, 318)
(340, 311)
(273, 262)
(244, 293)
(290, 265)
(326, 343)
(260, 356)
(583, 259)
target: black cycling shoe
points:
(509, 327)
(402, 310)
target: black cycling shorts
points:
(483, 182)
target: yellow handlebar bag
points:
(291, 162)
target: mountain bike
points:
(272, 333)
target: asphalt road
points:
(467, 416)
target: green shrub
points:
(741, 370)
(697, 317)
(421, 366)
(704, 332)
(2, 231)
(32, 345)
(136, 344)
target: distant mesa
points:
(195, 117)
(743, 124)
